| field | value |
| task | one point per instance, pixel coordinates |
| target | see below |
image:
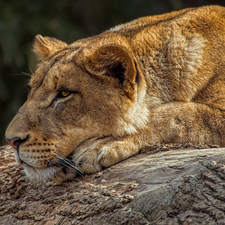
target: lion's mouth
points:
(17, 157)
(60, 171)
(62, 163)
(54, 163)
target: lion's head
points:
(87, 90)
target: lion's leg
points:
(176, 122)
(106, 152)
(180, 122)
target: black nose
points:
(15, 142)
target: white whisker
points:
(68, 163)
(70, 160)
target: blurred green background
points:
(68, 20)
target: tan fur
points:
(156, 79)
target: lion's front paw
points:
(87, 162)
(103, 155)
(111, 154)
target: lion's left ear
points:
(114, 61)
(44, 47)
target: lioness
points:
(99, 100)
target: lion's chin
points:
(57, 174)
(37, 175)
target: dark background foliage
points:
(68, 20)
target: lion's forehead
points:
(49, 78)
(57, 65)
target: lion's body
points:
(157, 79)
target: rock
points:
(165, 184)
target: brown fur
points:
(157, 79)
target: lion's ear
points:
(43, 47)
(114, 61)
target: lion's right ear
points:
(44, 47)
(115, 62)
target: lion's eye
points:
(63, 94)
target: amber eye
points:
(63, 94)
